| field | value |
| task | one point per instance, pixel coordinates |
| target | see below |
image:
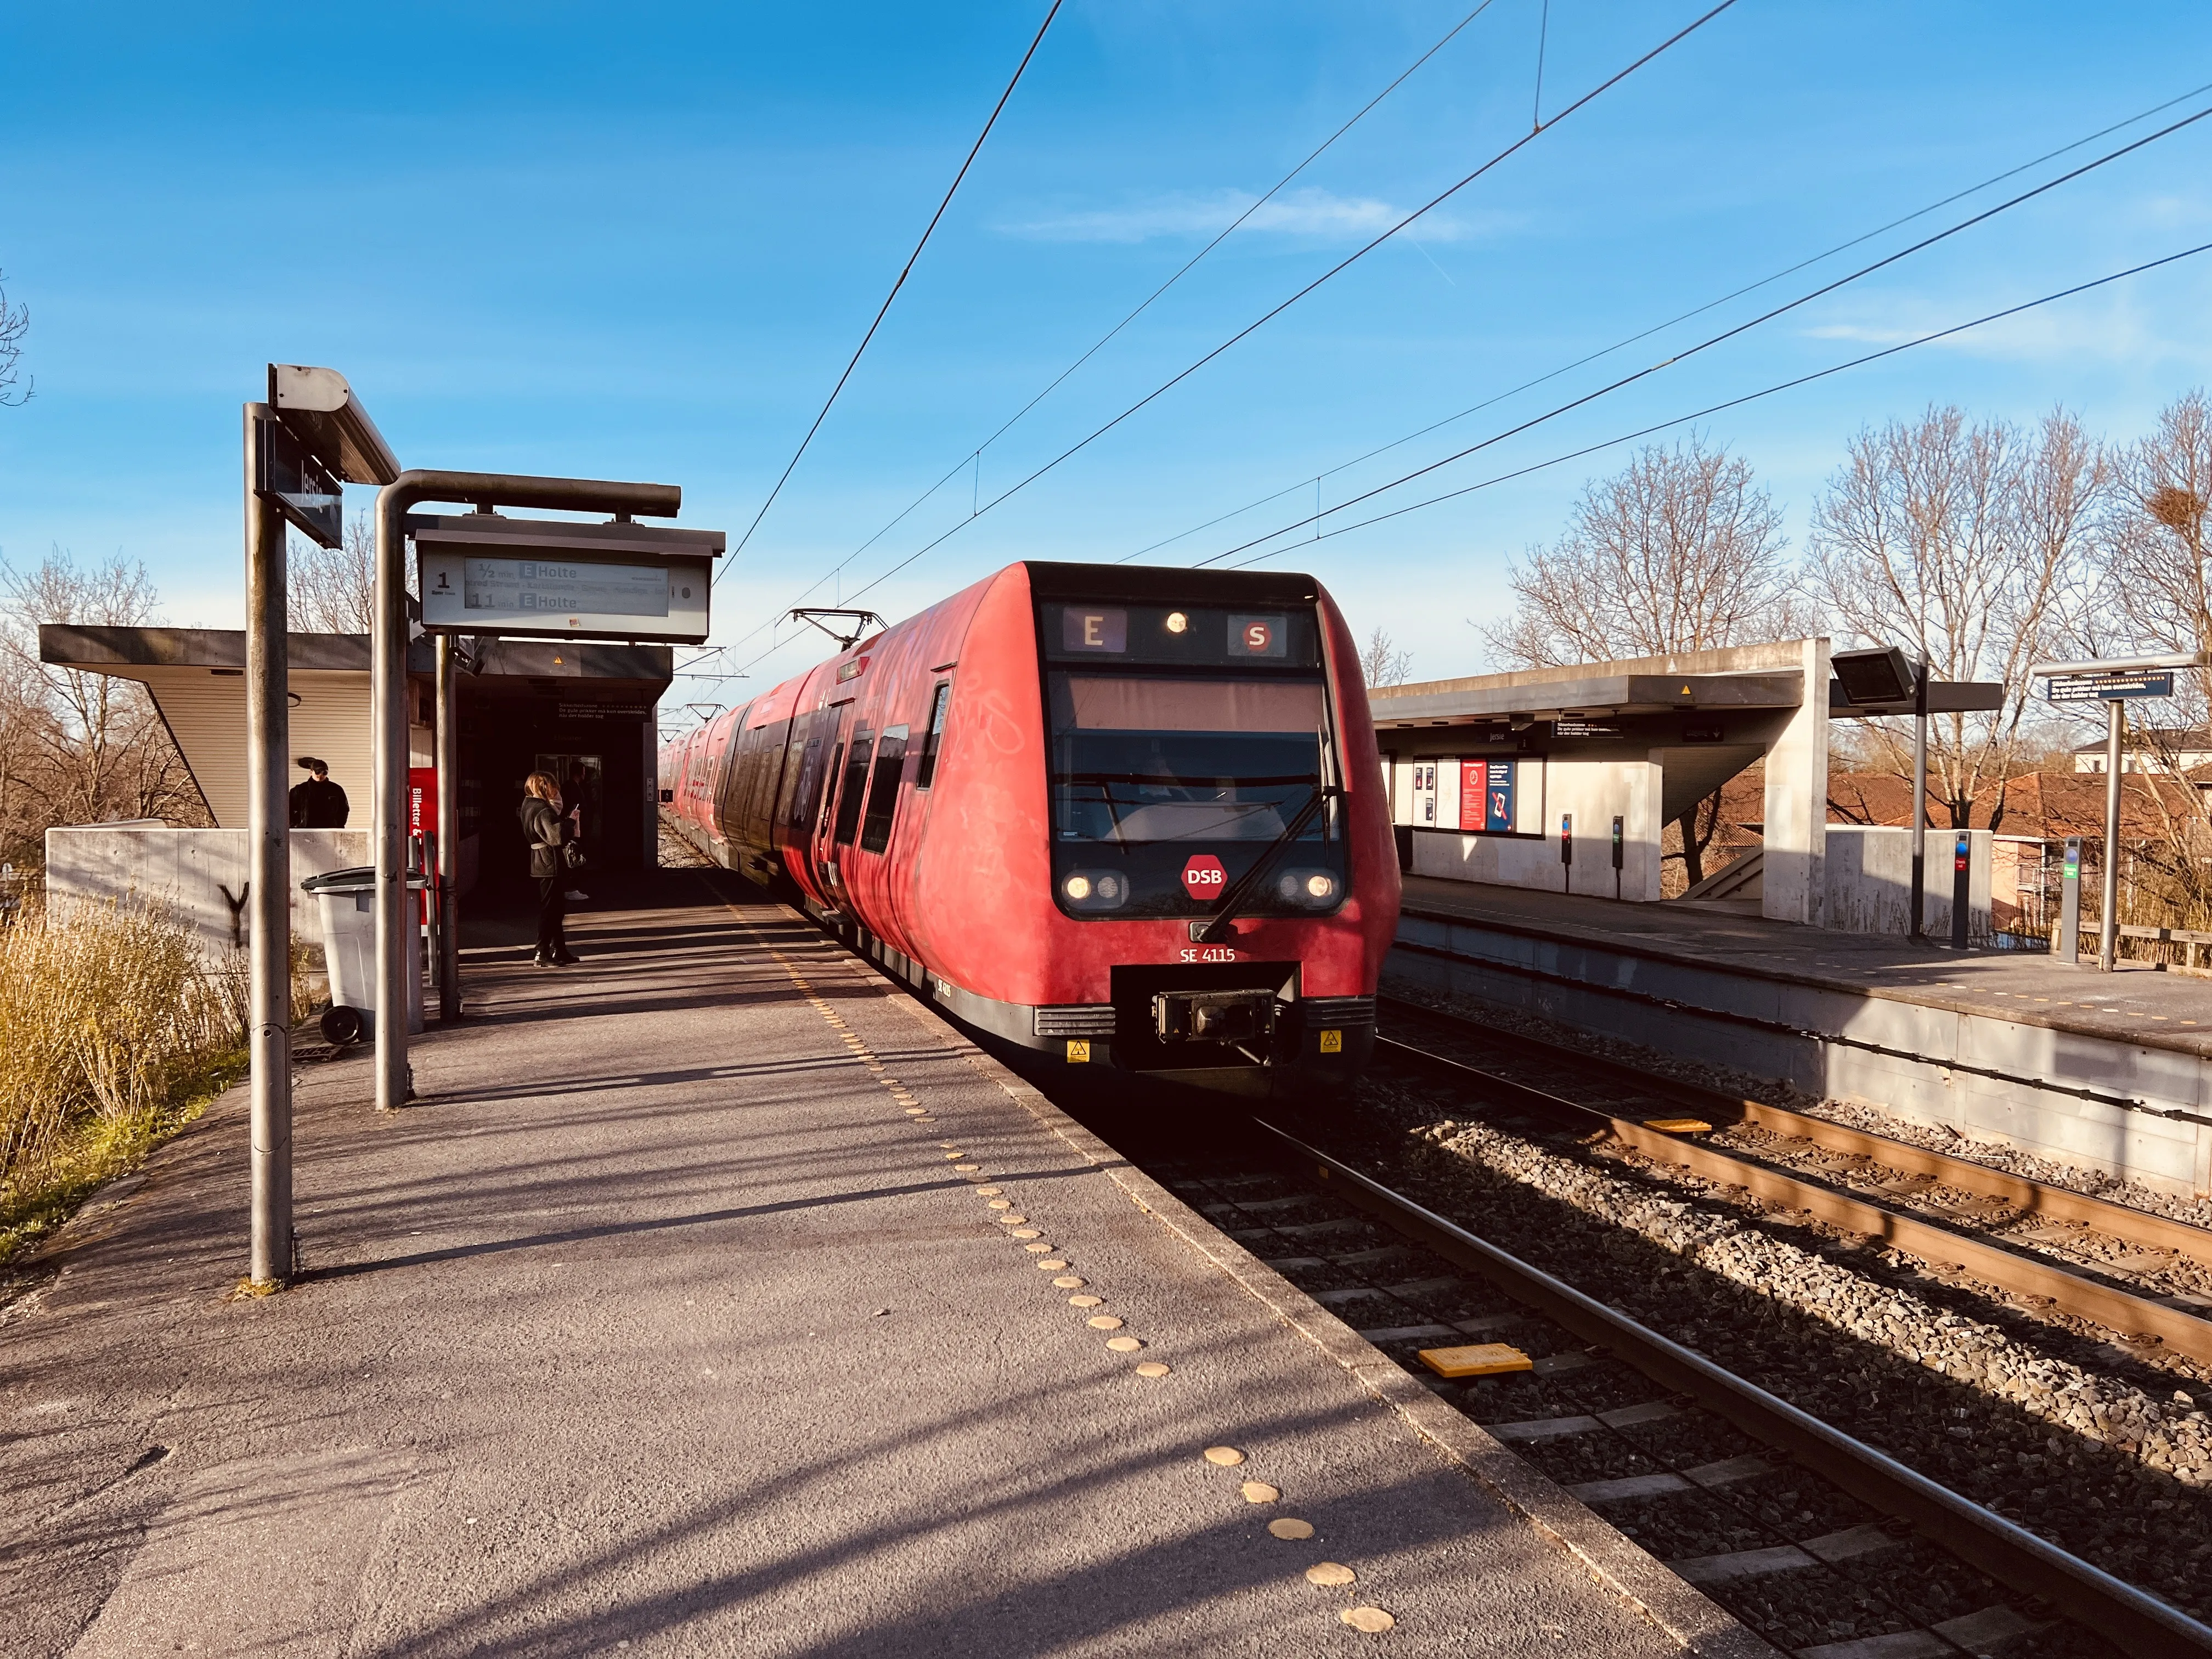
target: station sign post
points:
(1566, 852)
(2114, 682)
(308, 440)
(530, 580)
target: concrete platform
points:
(2111, 1070)
(661, 1327)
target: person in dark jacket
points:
(318, 803)
(543, 830)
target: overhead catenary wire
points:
(1276, 311)
(906, 270)
(1681, 316)
(1711, 341)
(974, 457)
(1736, 402)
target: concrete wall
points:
(1793, 886)
(190, 870)
(2133, 1111)
(1594, 792)
(1870, 881)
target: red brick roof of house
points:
(2040, 806)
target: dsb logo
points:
(1203, 877)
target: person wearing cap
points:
(318, 803)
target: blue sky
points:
(640, 242)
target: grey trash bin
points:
(346, 899)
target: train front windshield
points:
(1187, 744)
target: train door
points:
(1424, 794)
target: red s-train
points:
(1125, 816)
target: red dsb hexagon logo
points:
(1203, 878)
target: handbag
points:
(572, 855)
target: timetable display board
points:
(482, 574)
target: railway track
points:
(2146, 1278)
(1827, 1547)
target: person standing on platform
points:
(318, 803)
(546, 830)
(583, 811)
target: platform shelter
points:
(523, 706)
(1490, 774)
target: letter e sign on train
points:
(1203, 878)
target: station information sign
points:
(484, 574)
(2112, 685)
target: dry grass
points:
(114, 1032)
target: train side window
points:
(830, 791)
(855, 787)
(884, 792)
(925, 772)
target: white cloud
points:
(1312, 214)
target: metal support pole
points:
(1919, 800)
(2108, 925)
(449, 832)
(388, 703)
(269, 874)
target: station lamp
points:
(1877, 674)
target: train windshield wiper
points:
(1217, 928)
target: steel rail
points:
(2133, 1619)
(2059, 1203)
(2068, 1291)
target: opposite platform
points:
(2113, 1070)
(677, 1320)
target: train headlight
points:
(1313, 890)
(1178, 623)
(1095, 889)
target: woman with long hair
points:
(545, 830)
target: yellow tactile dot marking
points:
(1294, 1530)
(1227, 1457)
(996, 1203)
(1152, 1368)
(1037, 1247)
(1083, 1301)
(1071, 1283)
(1010, 1219)
(1259, 1492)
(1123, 1344)
(1104, 1322)
(1022, 1232)
(1330, 1573)
(966, 1169)
(1373, 1620)
(1053, 1266)
(914, 1111)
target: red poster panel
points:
(422, 800)
(1472, 800)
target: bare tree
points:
(1683, 550)
(15, 324)
(1383, 663)
(332, 590)
(2147, 590)
(1959, 541)
(78, 747)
